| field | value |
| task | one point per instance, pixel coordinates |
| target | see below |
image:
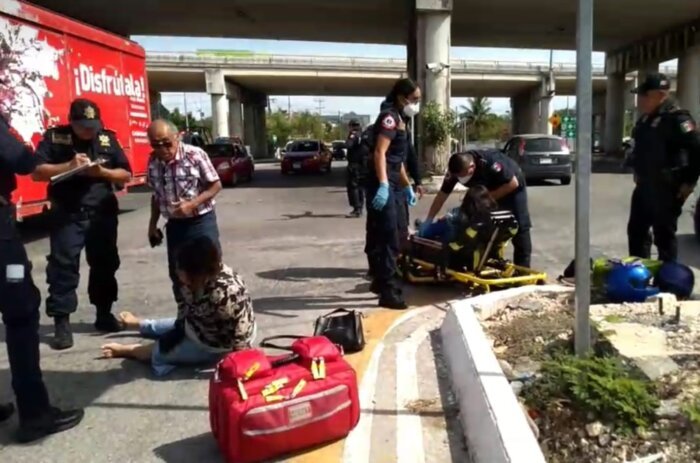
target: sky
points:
(200, 102)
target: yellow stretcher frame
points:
(490, 277)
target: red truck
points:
(47, 60)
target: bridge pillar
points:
(216, 88)
(235, 110)
(689, 81)
(614, 112)
(254, 124)
(429, 46)
(526, 112)
(545, 102)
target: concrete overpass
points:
(635, 34)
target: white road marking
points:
(409, 427)
(357, 444)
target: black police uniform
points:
(493, 170)
(84, 214)
(358, 152)
(19, 303)
(666, 155)
(387, 228)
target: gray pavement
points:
(289, 239)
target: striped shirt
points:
(182, 179)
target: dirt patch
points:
(531, 334)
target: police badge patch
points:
(104, 141)
(687, 126)
(496, 167)
(389, 123)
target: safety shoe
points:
(63, 337)
(392, 302)
(107, 322)
(53, 421)
(375, 288)
(6, 411)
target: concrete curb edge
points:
(495, 428)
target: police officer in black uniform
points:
(388, 190)
(19, 305)
(358, 152)
(666, 163)
(504, 180)
(84, 214)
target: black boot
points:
(106, 322)
(375, 288)
(6, 411)
(63, 337)
(355, 213)
(392, 300)
(53, 421)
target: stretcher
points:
(476, 260)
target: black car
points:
(339, 150)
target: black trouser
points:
(386, 232)
(356, 191)
(522, 243)
(179, 231)
(655, 208)
(19, 305)
(96, 231)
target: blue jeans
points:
(441, 230)
(186, 352)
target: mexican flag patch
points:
(687, 126)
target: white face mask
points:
(412, 109)
(464, 180)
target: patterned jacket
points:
(221, 315)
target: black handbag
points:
(342, 327)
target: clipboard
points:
(68, 174)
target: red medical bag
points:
(262, 407)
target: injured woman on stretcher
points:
(214, 317)
(467, 230)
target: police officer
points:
(504, 180)
(358, 152)
(19, 305)
(666, 164)
(388, 190)
(84, 210)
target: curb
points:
(495, 427)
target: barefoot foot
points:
(129, 321)
(116, 350)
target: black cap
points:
(354, 123)
(86, 113)
(654, 81)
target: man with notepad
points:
(84, 163)
(184, 183)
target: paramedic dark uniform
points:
(19, 297)
(493, 170)
(84, 214)
(387, 228)
(666, 156)
(357, 170)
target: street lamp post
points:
(584, 110)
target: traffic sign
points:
(555, 120)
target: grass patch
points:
(602, 386)
(691, 410)
(614, 318)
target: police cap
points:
(354, 123)
(653, 81)
(85, 113)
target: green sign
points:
(568, 126)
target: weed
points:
(612, 318)
(691, 410)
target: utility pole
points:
(320, 105)
(187, 117)
(289, 107)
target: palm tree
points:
(476, 115)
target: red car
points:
(232, 162)
(307, 156)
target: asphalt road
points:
(289, 238)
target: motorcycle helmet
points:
(676, 279)
(629, 282)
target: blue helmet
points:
(675, 278)
(629, 282)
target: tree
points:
(279, 126)
(477, 116)
(307, 125)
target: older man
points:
(184, 183)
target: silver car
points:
(541, 156)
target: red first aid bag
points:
(261, 407)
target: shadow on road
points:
(304, 274)
(311, 215)
(197, 448)
(277, 305)
(689, 250)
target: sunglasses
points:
(161, 144)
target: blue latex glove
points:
(381, 197)
(424, 227)
(410, 196)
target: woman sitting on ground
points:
(215, 317)
(476, 206)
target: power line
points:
(320, 102)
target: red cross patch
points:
(389, 123)
(687, 126)
(496, 166)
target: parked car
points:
(307, 156)
(340, 151)
(232, 162)
(541, 156)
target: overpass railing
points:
(205, 60)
